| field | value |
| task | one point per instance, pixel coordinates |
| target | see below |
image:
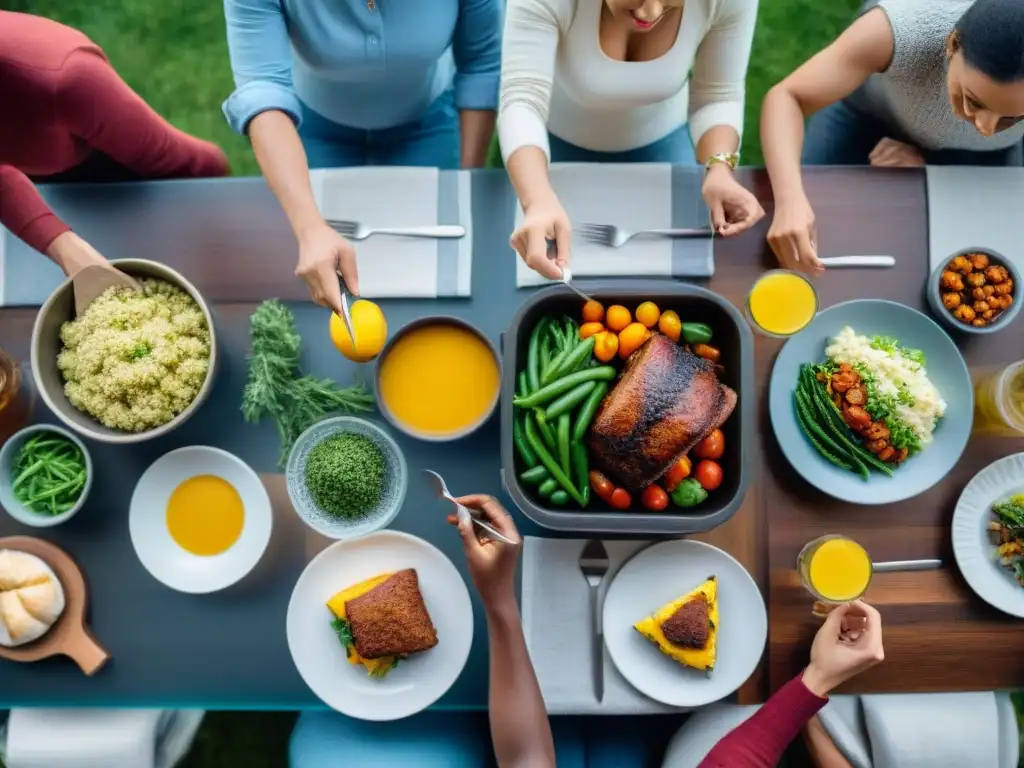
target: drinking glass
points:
(853, 555)
(999, 401)
(14, 405)
(788, 302)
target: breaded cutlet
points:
(391, 619)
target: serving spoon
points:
(90, 282)
(442, 490)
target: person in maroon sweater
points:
(68, 116)
(849, 642)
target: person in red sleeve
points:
(68, 116)
(849, 642)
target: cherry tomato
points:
(589, 329)
(677, 473)
(711, 447)
(593, 312)
(707, 352)
(601, 486)
(654, 498)
(620, 499)
(708, 474)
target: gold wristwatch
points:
(731, 159)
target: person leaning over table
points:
(66, 115)
(909, 82)
(358, 82)
(848, 643)
(609, 81)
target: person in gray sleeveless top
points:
(910, 82)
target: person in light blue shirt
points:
(358, 82)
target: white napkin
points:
(391, 266)
(635, 197)
(558, 629)
(972, 207)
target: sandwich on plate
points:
(382, 620)
(31, 598)
(686, 629)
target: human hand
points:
(492, 564)
(848, 643)
(733, 207)
(545, 219)
(73, 254)
(890, 153)
(322, 254)
(793, 236)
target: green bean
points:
(545, 357)
(569, 400)
(810, 424)
(548, 461)
(547, 432)
(820, 448)
(581, 469)
(548, 393)
(533, 355)
(535, 475)
(589, 410)
(556, 365)
(548, 487)
(564, 426)
(577, 355)
(559, 498)
(519, 442)
(524, 388)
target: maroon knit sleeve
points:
(24, 212)
(96, 105)
(761, 740)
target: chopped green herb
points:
(344, 632)
(1010, 513)
(345, 475)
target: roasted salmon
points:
(666, 401)
(391, 619)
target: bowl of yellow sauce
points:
(781, 303)
(199, 519)
(438, 379)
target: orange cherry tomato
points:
(711, 447)
(606, 344)
(648, 314)
(620, 499)
(617, 317)
(677, 473)
(631, 338)
(601, 486)
(708, 352)
(670, 325)
(593, 312)
(709, 474)
(654, 498)
(590, 329)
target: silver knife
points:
(346, 316)
(858, 261)
(892, 566)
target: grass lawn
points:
(174, 54)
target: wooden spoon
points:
(93, 280)
(69, 636)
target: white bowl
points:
(9, 452)
(157, 550)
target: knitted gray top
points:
(911, 95)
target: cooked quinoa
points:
(133, 361)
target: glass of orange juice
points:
(999, 401)
(781, 303)
(835, 569)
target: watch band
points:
(731, 159)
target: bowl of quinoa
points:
(135, 365)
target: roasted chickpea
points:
(978, 260)
(964, 312)
(951, 300)
(960, 264)
(988, 290)
(978, 294)
(996, 274)
(979, 323)
(980, 307)
(976, 279)
(951, 281)
(990, 315)
(1006, 301)
(1004, 287)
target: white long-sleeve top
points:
(556, 77)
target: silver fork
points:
(566, 272)
(594, 564)
(442, 490)
(615, 237)
(353, 230)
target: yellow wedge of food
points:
(375, 667)
(687, 628)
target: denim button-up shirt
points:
(366, 64)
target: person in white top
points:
(609, 81)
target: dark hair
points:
(991, 36)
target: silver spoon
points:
(566, 272)
(442, 490)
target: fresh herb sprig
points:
(278, 390)
(48, 474)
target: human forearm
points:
(281, 157)
(519, 722)
(721, 139)
(528, 170)
(823, 751)
(782, 139)
(477, 129)
(24, 212)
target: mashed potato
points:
(133, 361)
(898, 375)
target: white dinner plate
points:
(419, 680)
(161, 555)
(656, 576)
(975, 554)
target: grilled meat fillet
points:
(666, 401)
(391, 619)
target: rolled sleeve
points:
(477, 49)
(261, 61)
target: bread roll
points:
(31, 598)
(20, 569)
(21, 626)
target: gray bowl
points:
(58, 309)
(9, 502)
(946, 317)
(423, 322)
